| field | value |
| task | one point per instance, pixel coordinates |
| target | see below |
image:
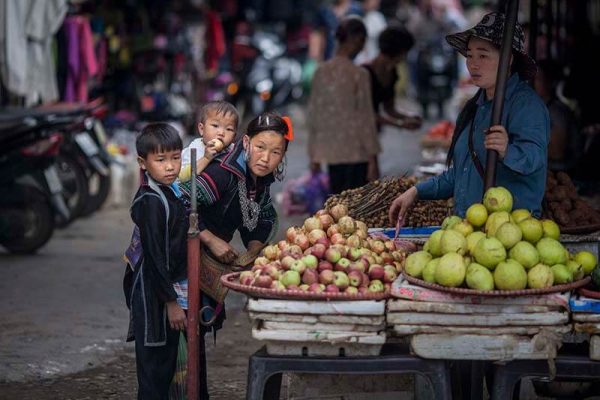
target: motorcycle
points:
(32, 191)
(84, 162)
(267, 78)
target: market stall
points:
(335, 289)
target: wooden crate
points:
(308, 328)
(479, 347)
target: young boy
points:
(160, 216)
(217, 128)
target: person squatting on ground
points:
(217, 129)
(157, 261)
(342, 127)
(521, 139)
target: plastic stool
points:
(507, 375)
(264, 371)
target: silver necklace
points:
(250, 208)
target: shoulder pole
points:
(512, 9)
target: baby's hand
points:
(213, 148)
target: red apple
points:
(343, 249)
(295, 250)
(283, 245)
(332, 230)
(338, 211)
(316, 288)
(389, 246)
(261, 261)
(353, 241)
(301, 240)
(331, 288)
(298, 266)
(315, 235)
(292, 287)
(271, 252)
(355, 278)
(332, 255)
(318, 250)
(247, 277)
(354, 254)
(377, 246)
(389, 274)
(338, 238)
(324, 265)
(365, 280)
(326, 220)
(271, 271)
(341, 280)
(376, 286)
(342, 264)
(290, 234)
(263, 281)
(324, 241)
(351, 290)
(321, 212)
(387, 257)
(310, 276)
(357, 266)
(310, 261)
(376, 271)
(277, 285)
(326, 277)
(346, 225)
(286, 262)
(363, 290)
(312, 223)
(361, 234)
(257, 267)
(361, 226)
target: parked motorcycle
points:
(83, 161)
(31, 189)
(268, 78)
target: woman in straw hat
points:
(521, 139)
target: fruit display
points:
(330, 253)
(498, 248)
(371, 203)
(563, 205)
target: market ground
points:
(63, 318)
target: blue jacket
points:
(523, 169)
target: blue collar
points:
(511, 86)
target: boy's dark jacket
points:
(163, 257)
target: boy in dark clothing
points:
(160, 216)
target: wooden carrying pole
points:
(193, 270)
(510, 20)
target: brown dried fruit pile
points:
(371, 203)
(563, 204)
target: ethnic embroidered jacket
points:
(219, 208)
(162, 262)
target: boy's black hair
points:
(267, 121)
(350, 27)
(219, 107)
(395, 40)
(157, 137)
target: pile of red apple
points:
(330, 253)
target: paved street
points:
(63, 317)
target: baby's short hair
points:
(219, 107)
(157, 137)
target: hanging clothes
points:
(26, 65)
(215, 41)
(81, 58)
